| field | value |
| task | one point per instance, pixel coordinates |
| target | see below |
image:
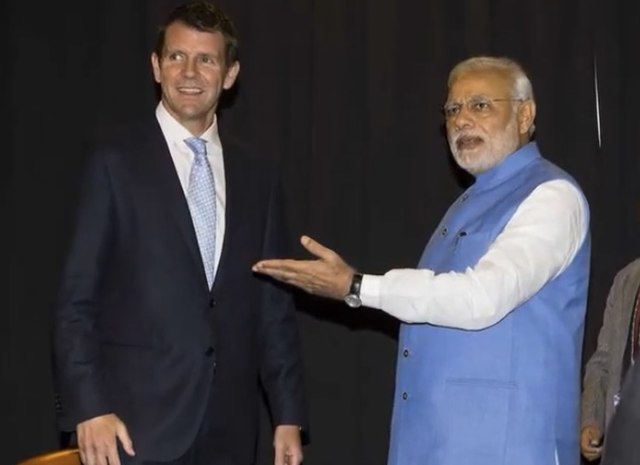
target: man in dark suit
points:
(621, 442)
(162, 332)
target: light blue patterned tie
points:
(201, 197)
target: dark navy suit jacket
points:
(138, 333)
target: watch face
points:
(352, 301)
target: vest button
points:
(209, 352)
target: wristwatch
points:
(352, 299)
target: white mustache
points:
(460, 135)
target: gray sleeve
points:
(603, 368)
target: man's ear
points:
(526, 115)
(232, 74)
(155, 65)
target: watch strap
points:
(356, 284)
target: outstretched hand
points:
(327, 276)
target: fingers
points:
(125, 439)
(294, 278)
(293, 458)
(280, 266)
(98, 449)
(290, 278)
(279, 455)
(302, 277)
(294, 272)
(590, 438)
(287, 456)
(81, 448)
(305, 274)
(286, 271)
(323, 253)
(592, 454)
(97, 440)
(317, 249)
(113, 457)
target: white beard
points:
(491, 153)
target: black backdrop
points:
(346, 95)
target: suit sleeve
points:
(598, 368)
(281, 366)
(76, 355)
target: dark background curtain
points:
(346, 95)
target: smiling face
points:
(192, 73)
(484, 122)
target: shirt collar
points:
(175, 133)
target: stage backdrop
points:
(346, 95)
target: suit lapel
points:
(233, 182)
(163, 174)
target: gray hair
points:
(521, 88)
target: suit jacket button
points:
(209, 352)
(212, 302)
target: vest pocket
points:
(471, 246)
(475, 423)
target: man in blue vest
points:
(493, 317)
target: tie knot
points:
(197, 146)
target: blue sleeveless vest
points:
(508, 394)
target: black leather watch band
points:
(356, 284)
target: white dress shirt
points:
(183, 158)
(536, 245)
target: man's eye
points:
(451, 111)
(481, 106)
(174, 56)
(208, 60)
